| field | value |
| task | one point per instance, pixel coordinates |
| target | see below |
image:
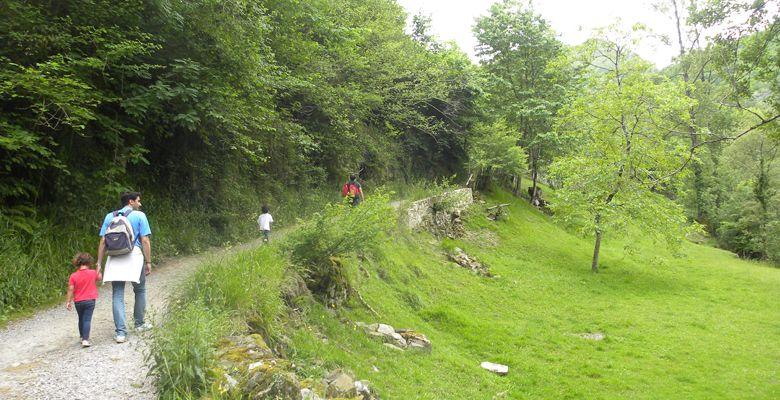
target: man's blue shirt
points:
(138, 222)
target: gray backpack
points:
(119, 237)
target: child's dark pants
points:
(85, 309)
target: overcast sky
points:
(573, 20)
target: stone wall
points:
(454, 201)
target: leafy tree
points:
(622, 155)
(526, 83)
(750, 215)
(494, 153)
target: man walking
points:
(132, 266)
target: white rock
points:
(495, 368)
(385, 329)
(362, 387)
(255, 365)
(398, 340)
(308, 394)
(232, 382)
(593, 336)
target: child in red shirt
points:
(83, 291)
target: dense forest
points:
(212, 108)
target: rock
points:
(423, 210)
(497, 369)
(340, 385)
(397, 340)
(254, 365)
(593, 336)
(362, 389)
(464, 260)
(374, 368)
(416, 340)
(392, 346)
(308, 394)
(385, 329)
(231, 382)
(272, 384)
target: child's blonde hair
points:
(82, 259)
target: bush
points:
(319, 244)
(183, 352)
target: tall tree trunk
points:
(594, 265)
(696, 166)
(534, 173)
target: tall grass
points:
(239, 294)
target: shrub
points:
(319, 244)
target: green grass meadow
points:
(703, 326)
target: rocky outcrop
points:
(249, 369)
(458, 256)
(441, 214)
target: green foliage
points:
(622, 157)
(495, 152)
(183, 350)
(214, 108)
(242, 286)
(526, 75)
(749, 218)
(318, 245)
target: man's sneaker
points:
(120, 339)
(85, 343)
(143, 328)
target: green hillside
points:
(701, 326)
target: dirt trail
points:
(41, 356)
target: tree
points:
(725, 47)
(750, 215)
(623, 154)
(526, 86)
(495, 152)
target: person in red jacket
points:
(352, 190)
(83, 292)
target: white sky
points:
(573, 20)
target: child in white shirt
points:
(265, 220)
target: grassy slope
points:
(704, 326)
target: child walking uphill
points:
(265, 220)
(83, 291)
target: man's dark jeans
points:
(85, 309)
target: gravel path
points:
(41, 357)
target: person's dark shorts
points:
(266, 234)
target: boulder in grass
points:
(497, 369)
(415, 340)
(273, 384)
(340, 384)
(384, 329)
